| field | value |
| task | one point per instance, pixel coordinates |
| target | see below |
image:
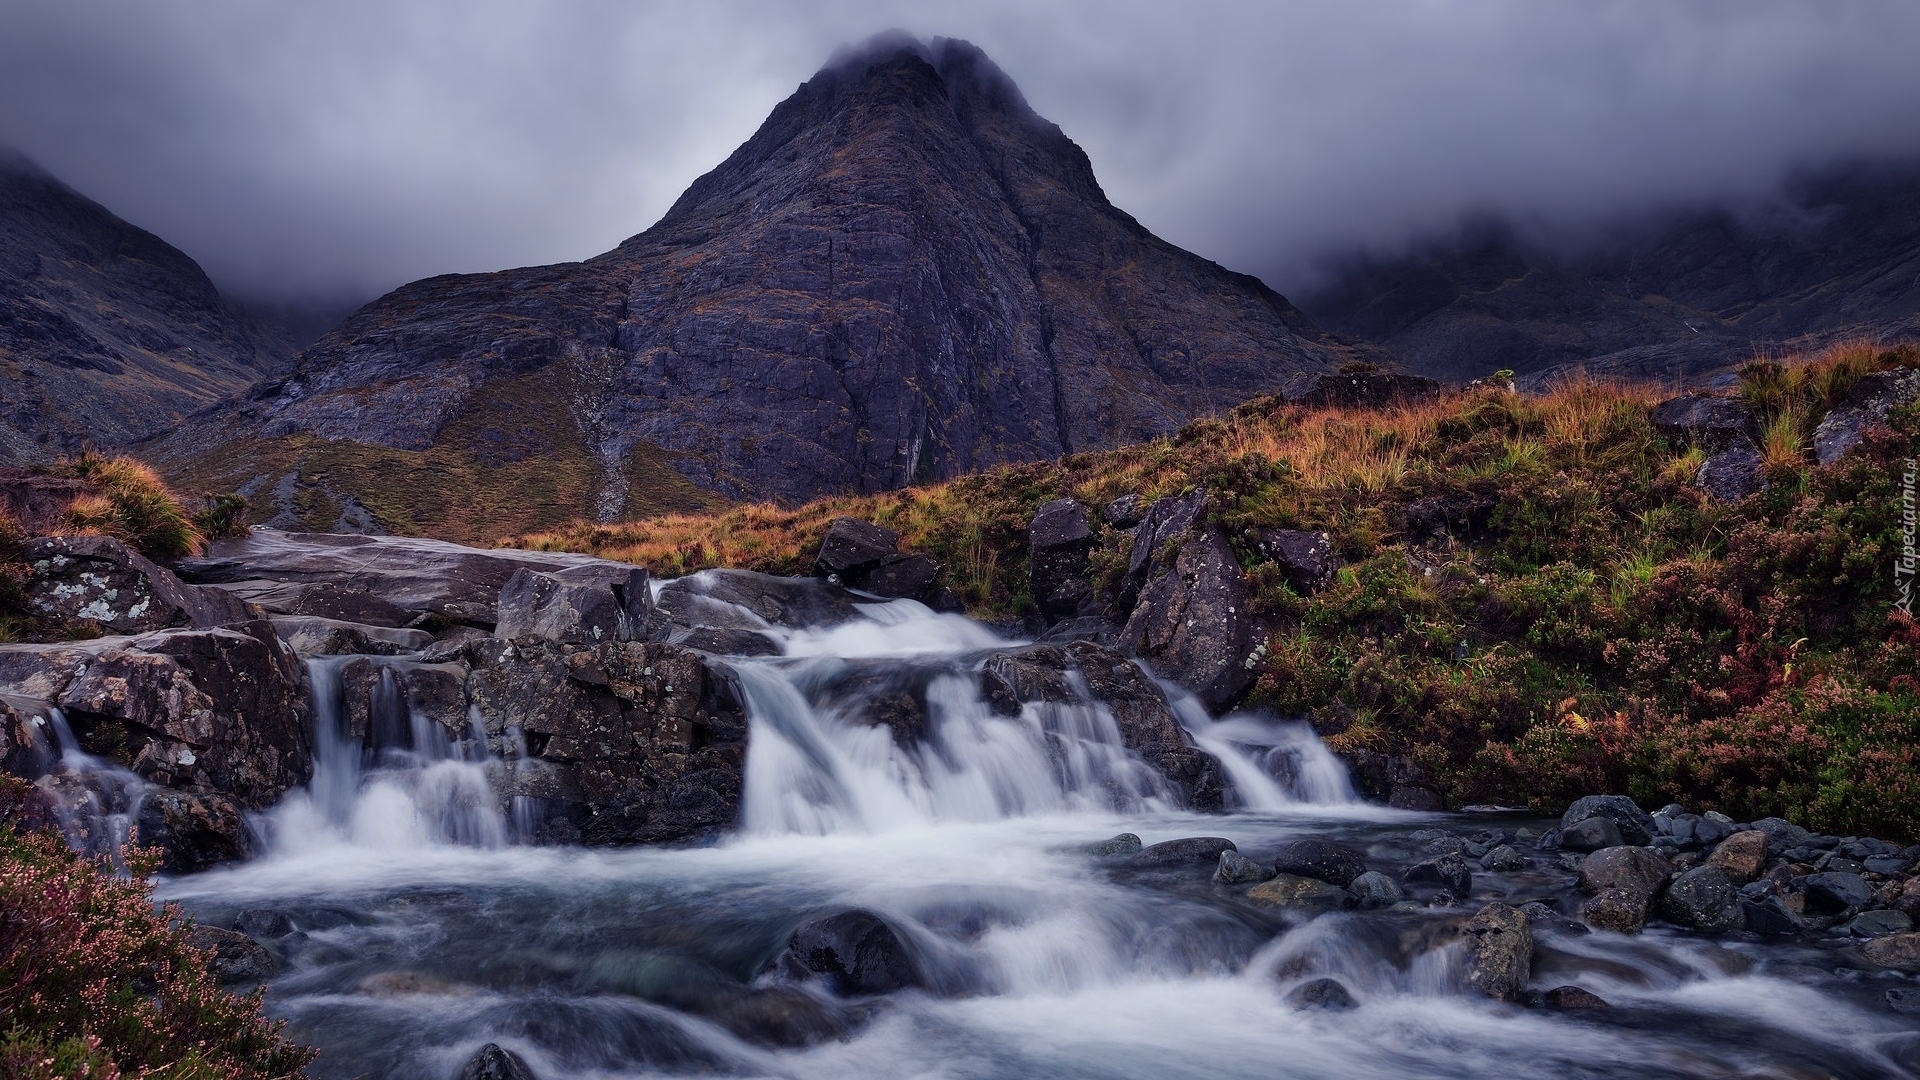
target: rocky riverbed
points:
(492, 813)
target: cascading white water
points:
(407, 784)
(812, 769)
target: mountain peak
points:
(904, 275)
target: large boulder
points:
(1623, 882)
(856, 953)
(1320, 859)
(1732, 474)
(1866, 404)
(651, 736)
(217, 712)
(1636, 825)
(1307, 558)
(1710, 423)
(193, 831)
(581, 604)
(1191, 620)
(851, 546)
(1703, 899)
(1741, 856)
(311, 635)
(1501, 940)
(744, 600)
(1059, 543)
(99, 580)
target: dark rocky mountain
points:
(904, 275)
(1837, 255)
(107, 333)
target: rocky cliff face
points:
(107, 333)
(905, 274)
(1670, 298)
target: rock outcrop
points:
(1189, 613)
(108, 334)
(101, 583)
(904, 275)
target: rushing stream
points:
(421, 930)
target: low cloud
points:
(304, 150)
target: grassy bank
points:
(1537, 602)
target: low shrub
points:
(97, 983)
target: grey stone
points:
(1732, 475)
(1307, 558)
(1187, 851)
(1501, 940)
(1832, 893)
(1703, 899)
(1769, 915)
(1300, 895)
(1573, 999)
(1320, 994)
(1059, 541)
(495, 1062)
(1124, 844)
(851, 545)
(1503, 860)
(1636, 825)
(1868, 403)
(1879, 923)
(1449, 871)
(580, 604)
(1320, 859)
(1374, 889)
(1192, 620)
(1592, 834)
(900, 577)
(1237, 869)
(234, 957)
(99, 580)
(1711, 423)
(1124, 512)
(856, 953)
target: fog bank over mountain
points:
(302, 150)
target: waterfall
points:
(402, 784)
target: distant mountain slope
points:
(107, 333)
(1670, 298)
(905, 274)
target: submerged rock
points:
(1321, 994)
(495, 1062)
(1303, 895)
(1124, 844)
(1374, 889)
(856, 952)
(1237, 869)
(1573, 999)
(236, 958)
(1320, 859)
(1187, 851)
(1449, 871)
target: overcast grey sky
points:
(300, 147)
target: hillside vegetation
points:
(1537, 602)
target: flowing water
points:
(423, 931)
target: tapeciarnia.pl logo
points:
(1903, 567)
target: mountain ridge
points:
(108, 333)
(904, 274)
